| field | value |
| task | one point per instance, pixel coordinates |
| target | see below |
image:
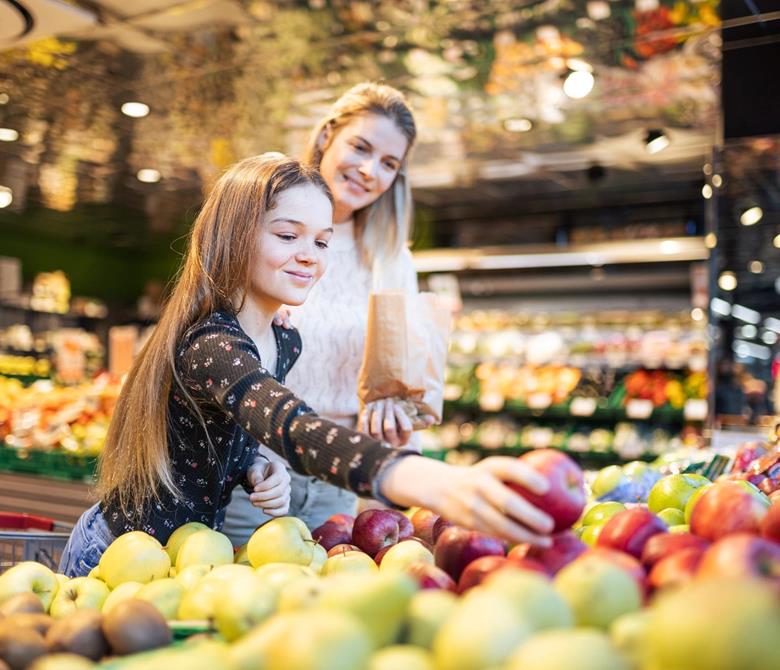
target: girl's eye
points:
(287, 237)
(390, 165)
(360, 148)
(322, 244)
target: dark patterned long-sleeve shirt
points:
(239, 404)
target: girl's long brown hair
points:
(383, 228)
(214, 275)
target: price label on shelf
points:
(695, 409)
(539, 400)
(582, 406)
(639, 409)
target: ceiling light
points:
(148, 176)
(768, 337)
(750, 350)
(756, 267)
(707, 169)
(8, 135)
(6, 196)
(772, 324)
(697, 314)
(710, 240)
(706, 191)
(717, 180)
(727, 281)
(578, 84)
(748, 332)
(136, 110)
(745, 314)
(751, 216)
(656, 140)
(776, 241)
(4, 98)
(719, 306)
(669, 247)
(517, 125)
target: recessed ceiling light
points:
(727, 281)
(697, 313)
(706, 191)
(717, 180)
(4, 98)
(518, 125)
(756, 267)
(136, 110)
(751, 216)
(710, 240)
(656, 140)
(8, 135)
(148, 175)
(578, 84)
(6, 196)
(776, 241)
(768, 337)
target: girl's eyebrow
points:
(364, 140)
(295, 222)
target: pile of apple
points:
(389, 591)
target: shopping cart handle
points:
(21, 521)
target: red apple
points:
(742, 555)
(405, 527)
(380, 554)
(440, 525)
(728, 507)
(566, 546)
(330, 533)
(628, 530)
(529, 564)
(423, 521)
(430, 577)
(565, 498)
(662, 545)
(770, 524)
(622, 560)
(674, 569)
(457, 547)
(476, 571)
(346, 520)
(375, 529)
(342, 549)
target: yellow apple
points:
(279, 575)
(402, 555)
(200, 602)
(567, 649)
(29, 577)
(165, 594)
(122, 592)
(204, 546)
(350, 561)
(61, 579)
(400, 656)
(282, 540)
(245, 602)
(134, 557)
(318, 558)
(301, 594)
(79, 593)
(242, 555)
(191, 575)
(179, 535)
(428, 610)
(230, 571)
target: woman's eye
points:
(390, 165)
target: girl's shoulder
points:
(219, 322)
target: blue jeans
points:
(86, 544)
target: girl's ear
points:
(324, 138)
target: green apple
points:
(79, 593)
(482, 632)
(597, 591)
(204, 546)
(680, 528)
(245, 602)
(350, 561)
(724, 624)
(310, 640)
(401, 656)
(179, 535)
(628, 632)
(590, 534)
(301, 594)
(165, 594)
(428, 610)
(134, 557)
(567, 649)
(601, 512)
(122, 592)
(279, 575)
(672, 516)
(607, 479)
(242, 555)
(378, 601)
(61, 579)
(698, 493)
(191, 575)
(635, 469)
(29, 577)
(400, 556)
(282, 540)
(674, 491)
(318, 558)
(537, 602)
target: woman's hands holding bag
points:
(386, 420)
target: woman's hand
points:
(386, 420)
(476, 497)
(271, 487)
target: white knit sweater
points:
(332, 323)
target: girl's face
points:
(361, 162)
(291, 246)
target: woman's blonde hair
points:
(383, 228)
(214, 275)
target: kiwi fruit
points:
(135, 625)
(80, 633)
(39, 622)
(62, 662)
(19, 647)
(21, 602)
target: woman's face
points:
(291, 246)
(361, 162)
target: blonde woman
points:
(201, 395)
(361, 148)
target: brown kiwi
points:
(21, 602)
(19, 647)
(80, 633)
(135, 625)
(39, 622)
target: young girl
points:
(361, 149)
(200, 396)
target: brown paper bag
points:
(406, 352)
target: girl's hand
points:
(282, 318)
(271, 492)
(476, 497)
(386, 421)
